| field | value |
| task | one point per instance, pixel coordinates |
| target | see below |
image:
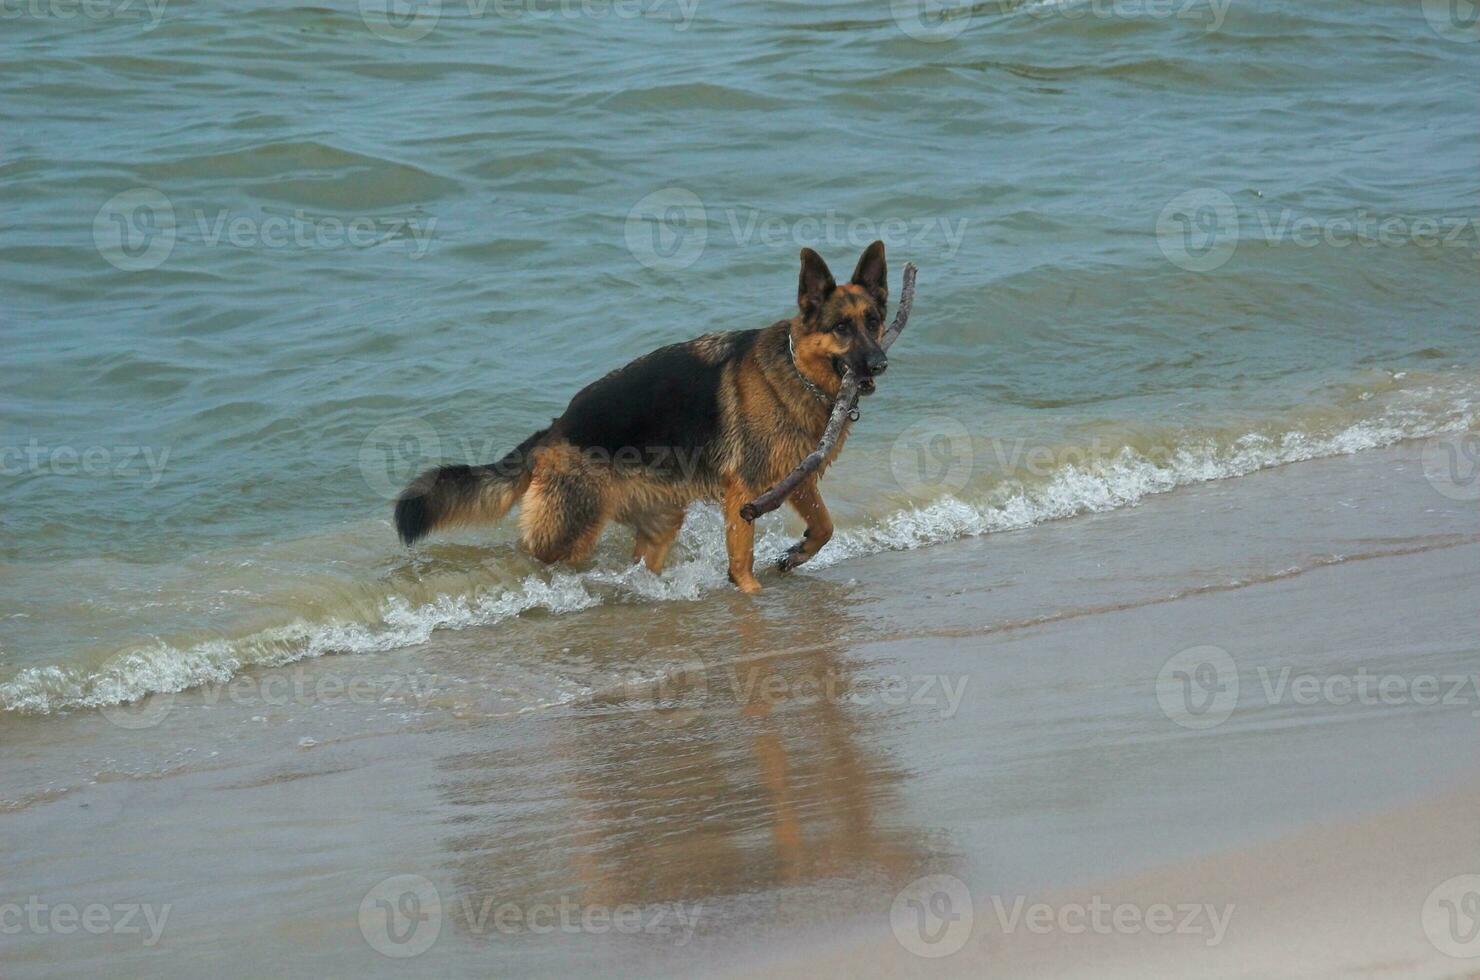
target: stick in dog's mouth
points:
(843, 408)
(865, 383)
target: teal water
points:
(260, 263)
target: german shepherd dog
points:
(721, 417)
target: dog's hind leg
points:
(563, 511)
(655, 533)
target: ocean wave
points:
(1127, 478)
(1118, 480)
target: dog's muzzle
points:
(874, 364)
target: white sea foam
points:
(1119, 481)
(1127, 478)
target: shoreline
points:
(385, 598)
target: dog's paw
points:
(748, 585)
(795, 555)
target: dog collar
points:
(817, 392)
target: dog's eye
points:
(840, 327)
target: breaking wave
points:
(405, 616)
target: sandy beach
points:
(1019, 713)
(1356, 898)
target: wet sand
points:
(1340, 899)
(1017, 712)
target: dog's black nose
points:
(876, 365)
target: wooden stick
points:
(844, 408)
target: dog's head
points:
(840, 326)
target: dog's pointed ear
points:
(815, 285)
(872, 273)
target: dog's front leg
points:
(739, 536)
(808, 503)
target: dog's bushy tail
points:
(445, 496)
